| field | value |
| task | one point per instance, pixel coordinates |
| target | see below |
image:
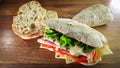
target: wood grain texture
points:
(16, 53)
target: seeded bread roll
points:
(27, 23)
(95, 15)
(78, 31)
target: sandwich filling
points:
(70, 49)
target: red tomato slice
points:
(48, 46)
(96, 53)
(62, 51)
(79, 59)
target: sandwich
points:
(30, 16)
(74, 41)
(95, 15)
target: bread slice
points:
(78, 31)
(32, 5)
(27, 23)
(94, 15)
(51, 14)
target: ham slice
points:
(45, 41)
(51, 43)
(53, 46)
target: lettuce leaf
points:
(67, 42)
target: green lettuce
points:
(65, 41)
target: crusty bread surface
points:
(95, 15)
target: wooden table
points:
(18, 53)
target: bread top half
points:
(78, 31)
(95, 15)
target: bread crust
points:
(95, 15)
(78, 31)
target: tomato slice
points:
(79, 59)
(62, 51)
(48, 46)
(96, 53)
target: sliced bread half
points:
(27, 22)
(95, 15)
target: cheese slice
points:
(68, 59)
(105, 50)
(76, 50)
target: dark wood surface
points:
(18, 53)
